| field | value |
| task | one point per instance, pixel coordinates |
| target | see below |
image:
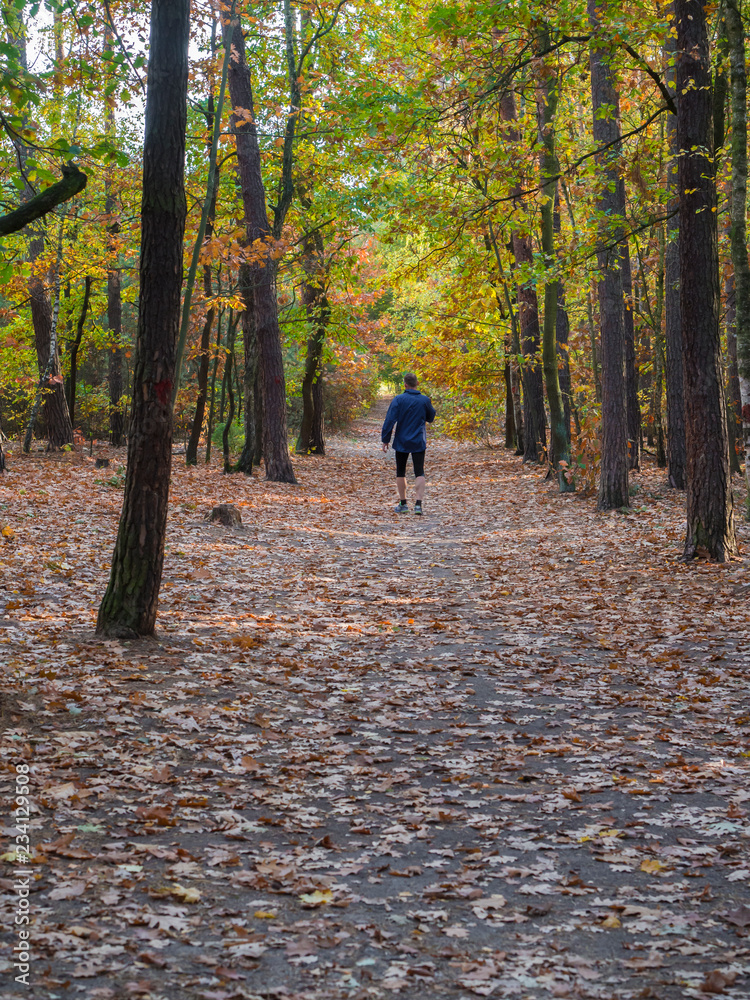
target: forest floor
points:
(500, 750)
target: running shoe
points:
(418, 507)
(401, 507)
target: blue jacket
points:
(408, 412)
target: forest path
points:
(500, 750)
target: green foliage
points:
(236, 435)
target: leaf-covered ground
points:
(501, 750)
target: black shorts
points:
(417, 458)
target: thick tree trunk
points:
(710, 508)
(130, 602)
(261, 268)
(613, 483)
(738, 74)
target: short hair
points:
(410, 379)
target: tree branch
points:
(668, 99)
(73, 182)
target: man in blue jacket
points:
(409, 412)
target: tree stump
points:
(227, 514)
(101, 463)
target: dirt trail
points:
(500, 750)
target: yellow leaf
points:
(8, 532)
(263, 915)
(612, 921)
(186, 895)
(317, 898)
(652, 865)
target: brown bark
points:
(510, 416)
(562, 332)
(59, 428)
(73, 182)
(631, 370)
(251, 455)
(129, 606)
(261, 269)
(75, 347)
(710, 506)
(534, 417)
(674, 381)
(191, 452)
(115, 360)
(613, 482)
(311, 439)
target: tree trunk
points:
(55, 408)
(661, 455)
(114, 375)
(210, 429)
(534, 416)
(613, 483)
(315, 301)
(738, 74)
(549, 167)
(75, 347)
(228, 375)
(261, 269)
(510, 416)
(250, 375)
(674, 379)
(562, 332)
(114, 295)
(59, 427)
(631, 370)
(191, 452)
(130, 602)
(734, 399)
(516, 379)
(710, 508)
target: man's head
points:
(410, 380)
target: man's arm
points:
(390, 419)
(429, 411)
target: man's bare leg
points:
(401, 487)
(419, 487)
